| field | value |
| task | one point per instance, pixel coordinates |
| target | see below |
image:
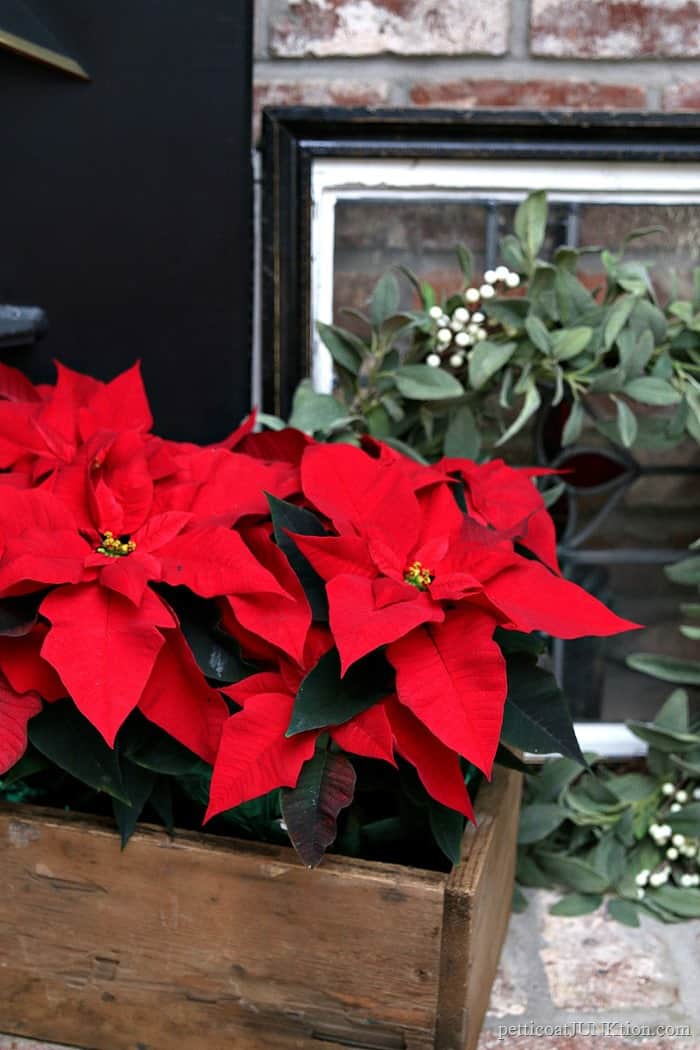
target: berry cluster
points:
(467, 324)
(679, 850)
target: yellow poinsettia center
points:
(418, 576)
(114, 547)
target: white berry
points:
(481, 334)
(444, 335)
(463, 339)
(675, 807)
(456, 360)
(502, 273)
(487, 291)
(461, 314)
(478, 317)
(668, 788)
(435, 311)
(681, 796)
(642, 877)
(433, 360)
(472, 295)
(512, 280)
(678, 840)
(490, 277)
(672, 853)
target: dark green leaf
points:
(345, 348)
(686, 821)
(466, 262)
(686, 571)
(513, 254)
(18, 615)
(423, 383)
(310, 810)
(608, 858)
(532, 402)
(574, 424)
(326, 699)
(66, 737)
(312, 412)
(286, 518)
(528, 872)
(138, 784)
(385, 299)
(674, 712)
(30, 763)
(536, 716)
(667, 668)
(447, 827)
(162, 754)
(161, 800)
(617, 319)
(554, 776)
(569, 342)
(682, 902)
(216, 654)
(626, 422)
(577, 904)
(662, 739)
(506, 758)
(531, 221)
(572, 872)
(519, 902)
(462, 438)
(623, 911)
(652, 391)
(538, 334)
(538, 820)
(486, 359)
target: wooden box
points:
(203, 943)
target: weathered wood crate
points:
(203, 943)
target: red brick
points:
(684, 95)
(534, 94)
(615, 28)
(401, 27)
(316, 92)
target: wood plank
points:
(207, 943)
(478, 900)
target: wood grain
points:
(201, 942)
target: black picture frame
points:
(294, 137)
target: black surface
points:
(126, 202)
(294, 137)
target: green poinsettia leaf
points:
(138, 784)
(286, 518)
(536, 716)
(326, 699)
(64, 736)
(326, 786)
(19, 615)
(447, 827)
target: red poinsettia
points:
(409, 570)
(107, 626)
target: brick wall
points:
(539, 54)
